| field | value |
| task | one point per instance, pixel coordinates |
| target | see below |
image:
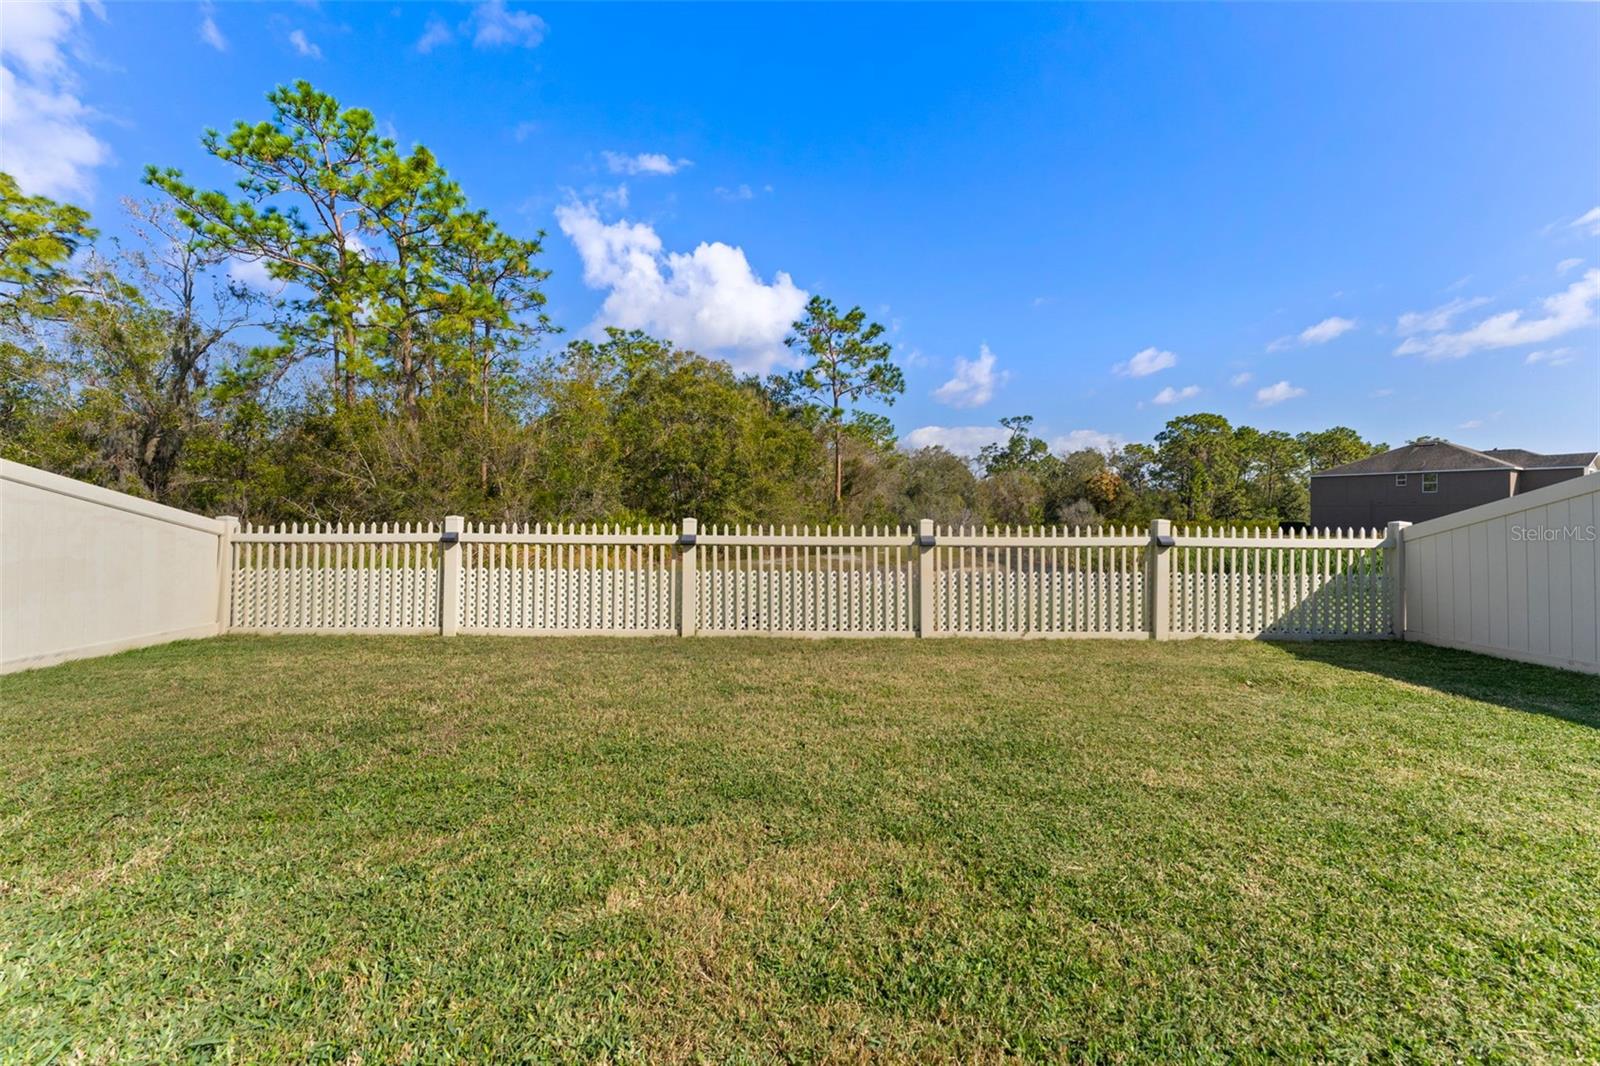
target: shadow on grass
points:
(1518, 686)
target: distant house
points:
(1432, 478)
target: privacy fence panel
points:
(1040, 582)
(1230, 583)
(1518, 578)
(568, 579)
(804, 582)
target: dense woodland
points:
(395, 362)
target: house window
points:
(1430, 482)
(1399, 479)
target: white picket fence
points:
(805, 581)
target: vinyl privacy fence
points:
(880, 582)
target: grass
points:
(417, 850)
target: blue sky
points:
(1296, 216)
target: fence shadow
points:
(1517, 686)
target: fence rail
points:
(1118, 582)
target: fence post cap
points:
(229, 520)
(925, 527)
(1161, 527)
(454, 523)
(689, 525)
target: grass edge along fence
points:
(1120, 582)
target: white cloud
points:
(1276, 394)
(44, 127)
(1568, 264)
(1437, 319)
(1240, 379)
(1378, 394)
(210, 32)
(1321, 333)
(709, 299)
(252, 274)
(1172, 395)
(1079, 439)
(1471, 423)
(436, 33)
(961, 440)
(524, 130)
(1564, 312)
(974, 382)
(1326, 330)
(1553, 357)
(491, 25)
(738, 192)
(494, 25)
(1589, 222)
(1145, 362)
(303, 46)
(643, 163)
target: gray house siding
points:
(1528, 480)
(1372, 501)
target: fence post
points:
(688, 579)
(927, 591)
(230, 526)
(450, 575)
(1158, 580)
(1394, 576)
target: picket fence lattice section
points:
(1040, 582)
(801, 581)
(368, 577)
(568, 579)
(806, 581)
(1230, 583)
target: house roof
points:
(1444, 455)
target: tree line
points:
(391, 358)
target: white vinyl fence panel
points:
(1227, 583)
(1040, 582)
(1518, 578)
(567, 579)
(87, 571)
(805, 581)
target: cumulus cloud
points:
(1145, 362)
(45, 128)
(252, 274)
(1170, 395)
(1560, 314)
(708, 299)
(492, 24)
(1321, 333)
(1240, 379)
(961, 440)
(1589, 222)
(1078, 440)
(437, 32)
(1568, 264)
(1439, 318)
(643, 163)
(974, 381)
(304, 46)
(738, 192)
(1552, 357)
(1277, 393)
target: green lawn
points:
(412, 849)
